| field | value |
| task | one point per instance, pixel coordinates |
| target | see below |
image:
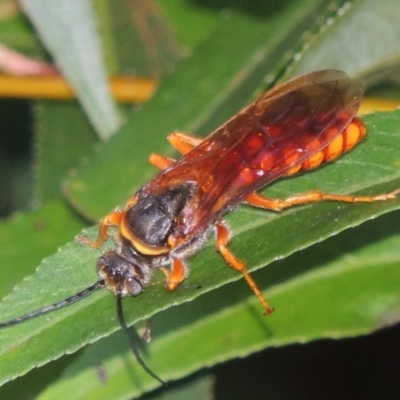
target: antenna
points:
(132, 342)
(55, 306)
(77, 297)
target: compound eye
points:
(133, 287)
(101, 262)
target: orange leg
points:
(161, 162)
(176, 275)
(183, 143)
(259, 200)
(112, 219)
(223, 237)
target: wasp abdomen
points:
(342, 142)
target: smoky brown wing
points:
(280, 130)
(332, 88)
(327, 90)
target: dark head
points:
(120, 275)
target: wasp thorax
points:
(120, 275)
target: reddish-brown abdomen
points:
(340, 143)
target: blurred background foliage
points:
(64, 164)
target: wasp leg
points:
(222, 240)
(146, 335)
(258, 200)
(161, 162)
(182, 142)
(176, 275)
(113, 218)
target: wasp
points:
(296, 126)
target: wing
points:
(279, 131)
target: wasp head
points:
(120, 275)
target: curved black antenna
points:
(55, 306)
(131, 340)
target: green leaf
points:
(70, 270)
(16, 32)
(68, 29)
(59, 128)
(26, 238)
(322, 292)
(199, 388)
(183, 16)
(137, 38)
(354, 42)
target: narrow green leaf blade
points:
(331, 293)
(355, 42)
(67, 27)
